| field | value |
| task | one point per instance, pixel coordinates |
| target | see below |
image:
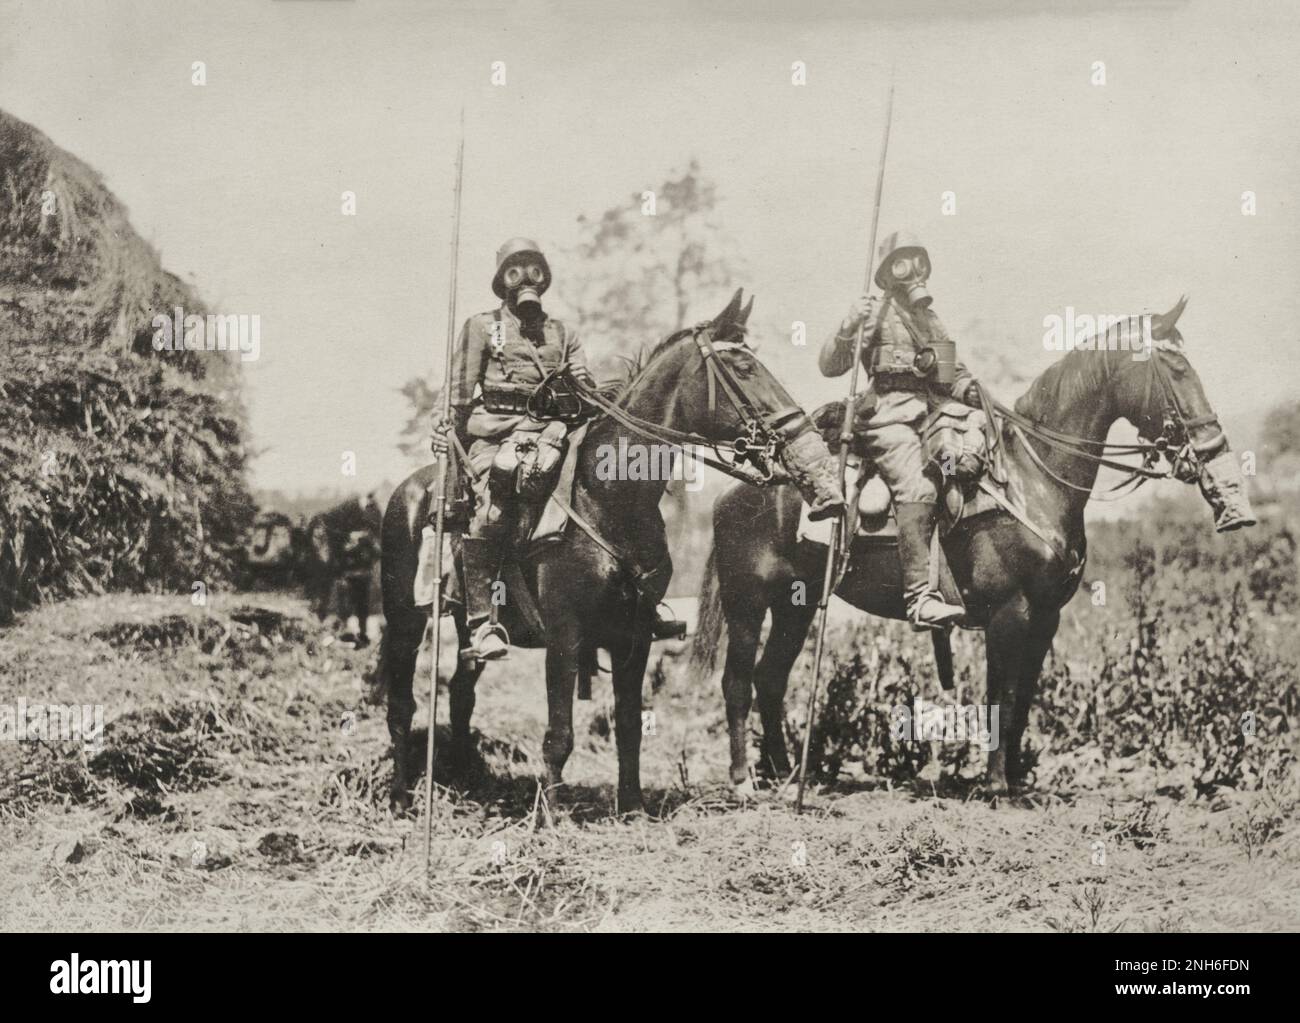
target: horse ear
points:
(743, 318)
(729, 314)
(1162, 324)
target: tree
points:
(630, 279)
(638, 267)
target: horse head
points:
(717, 390)
(1163, 397)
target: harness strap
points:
(624, 561)
(1136, 473)
(1024, 519)
(680, 438)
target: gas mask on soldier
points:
(522, 276)
(524, 283)
(904, 269)
(908, 274)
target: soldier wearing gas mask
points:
(500, 360)
(913, 369)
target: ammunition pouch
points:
(553, 399)
(508, 400)
(528, 462)
(956, 443)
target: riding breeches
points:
(896, 449)
(486, 522)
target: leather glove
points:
(440, 433)
(862, 309)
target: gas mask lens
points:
(517, 275)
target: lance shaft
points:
(839, 528)
(440, 508)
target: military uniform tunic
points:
(902, 399)
(498, 363)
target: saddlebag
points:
(956, 442)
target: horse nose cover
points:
(815, 471)
(1224, 489)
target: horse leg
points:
(398, 651)
(790, 624)
(563, 646)
(629, 672)
(1005, 640)
(461, 692)
(1042, 629)
(743, 626)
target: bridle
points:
(1185, 464)
(753, 456)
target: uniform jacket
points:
(480, 367)
(895, 406)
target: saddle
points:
(957, 448)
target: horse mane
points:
(638, 363)
(1075, 374)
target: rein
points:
(760, 442)
(1184, 465)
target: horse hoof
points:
(629, 804)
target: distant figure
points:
(343, 550)
(273, 551)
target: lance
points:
(839, 528)
(440, 505)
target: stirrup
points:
(490, 642)
(943, 619)
(667, 627)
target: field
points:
(243, 784)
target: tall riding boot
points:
(925, 608)
(488, 640)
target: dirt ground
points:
(243, 785)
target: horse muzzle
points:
(815, 471)
(1224, 489)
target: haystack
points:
(120, 467)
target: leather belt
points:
(886, 382)
(506, 402)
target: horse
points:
(341, 550)
(1013, 575)
(598, 585)
(273, 551)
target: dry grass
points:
(244, 781)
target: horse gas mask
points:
(1190, 436)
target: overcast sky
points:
(1111, 198)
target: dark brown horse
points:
(594, 593)
(1014, 583)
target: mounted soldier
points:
(912, 363)
(512, 411)
(501, 359)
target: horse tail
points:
(708, 627)
(943, 658)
